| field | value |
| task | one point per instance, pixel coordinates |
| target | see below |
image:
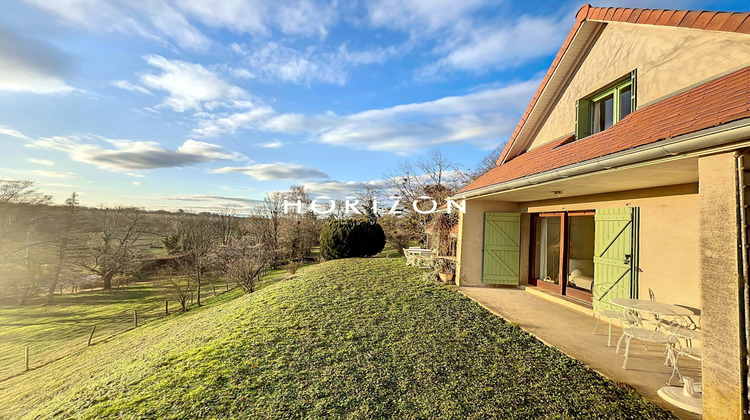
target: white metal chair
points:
(664, 332)
(683, 346)
(604, 308)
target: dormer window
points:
(606, 107)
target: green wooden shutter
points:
(583, 118)
(502, 239)
(615, 254)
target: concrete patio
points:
(559, 324)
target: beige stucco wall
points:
(471, 237)
(667, 59)
(721, 376)
(669, 237)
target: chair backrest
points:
(601, 299)
(671, 324)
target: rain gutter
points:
(715, 136)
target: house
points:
(630, 168)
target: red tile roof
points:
(713, 103)
(713, 21)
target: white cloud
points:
(290, 65)
(273, 60)
(124, 84)
(420, 15)
(482, 118)
(44, 162)
(272, 171)
(135, 175)
(178, 21)
(462, 38)
(213, 125)
(9, 131)
(271, 144)
(151, 19)
(124, 155)
(214, 198)
(29, 65)
(137, 183)
(189, 86)
(52, 174)
(305, 17)
(497, 47)
(336, 189)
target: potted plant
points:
(445, 267)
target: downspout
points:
(745, 284)
(739, 130)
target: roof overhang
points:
(725, 137)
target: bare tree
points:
(21, 209)
(19, 214)
(245, 261)
(113, 250)
(299, 230)
(227, 223)
(182, 287)
(488, 163)
(198, 237)
(63, 242)
(273, 210)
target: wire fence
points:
(57, 340)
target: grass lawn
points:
(55, 330)
(359, 338)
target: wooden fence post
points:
(135, 317)
(26, 358)
(92, 334)
(166, 307)
(214, 286)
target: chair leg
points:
(617, 350)
(609, 335)
(675, 369)
(627, 353)
(596, 326)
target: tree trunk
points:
(107, 278)
(199, 293)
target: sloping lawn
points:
(55, 330)
(363, 338)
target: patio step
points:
(560, 300)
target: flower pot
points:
(446, 277)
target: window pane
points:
(581, 253)
(609, 103)
(547, 259)
(601, 117)
(625, 102)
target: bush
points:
(293, 266)
(350, 238)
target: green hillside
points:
(366, 338)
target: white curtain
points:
(543, 247)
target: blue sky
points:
(195, 104)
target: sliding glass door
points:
(562, 253)
(548, 251)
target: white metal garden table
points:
(652, 307)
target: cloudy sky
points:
(195, 104)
